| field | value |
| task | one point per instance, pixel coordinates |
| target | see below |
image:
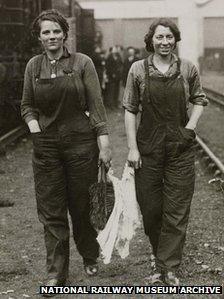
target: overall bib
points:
(65, 161)
(165, 183)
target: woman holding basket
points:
(63, 109)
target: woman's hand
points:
(134, 159)
(105, 157)
(105, 151)
(34, 126)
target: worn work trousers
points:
(65, 165)
(164, 187)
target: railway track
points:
(214, 97)
(212, 162)
(12, 136)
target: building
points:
(125, 22)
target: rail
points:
(213, 161)
(215, 97)
(12, 136)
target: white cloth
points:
(124, 219)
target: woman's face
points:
(163, 41)
(51, 36)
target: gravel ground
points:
(22, 253)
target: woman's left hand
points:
(105, 157)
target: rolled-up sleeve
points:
(27, 108)
(131, 98)
(197, 95)
(96, 108)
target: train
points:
(17, 46)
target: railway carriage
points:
(17, 46)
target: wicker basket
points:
(101, 200)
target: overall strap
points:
(178, 64)
(146, 68)
(38, 62)
(69, 69)
(184, 106)
(73, 73)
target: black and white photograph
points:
(111, 149)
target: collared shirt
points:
(135, 86)
(89, 87)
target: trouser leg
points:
(178, 191)
(149, 186)
(82, 170)
(50, 187)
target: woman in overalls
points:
(161, 149)
(63, 109)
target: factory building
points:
(125, 22)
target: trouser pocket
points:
(187, 138)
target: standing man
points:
(114, 71)
(129, 60)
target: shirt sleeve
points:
(131, 99)
(97, 112)
(197, 95)
(27, 108)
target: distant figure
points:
(138, 53)
(104, 74)
(98, 63)
(114, 73)
(131, 58)
(121, 51)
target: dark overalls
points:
(165, 183)
(65, 161)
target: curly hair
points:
(50, 15)
(163, 22)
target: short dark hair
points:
(166, 22)
(50, 15)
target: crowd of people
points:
(112, 70)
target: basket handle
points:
(102, 173)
